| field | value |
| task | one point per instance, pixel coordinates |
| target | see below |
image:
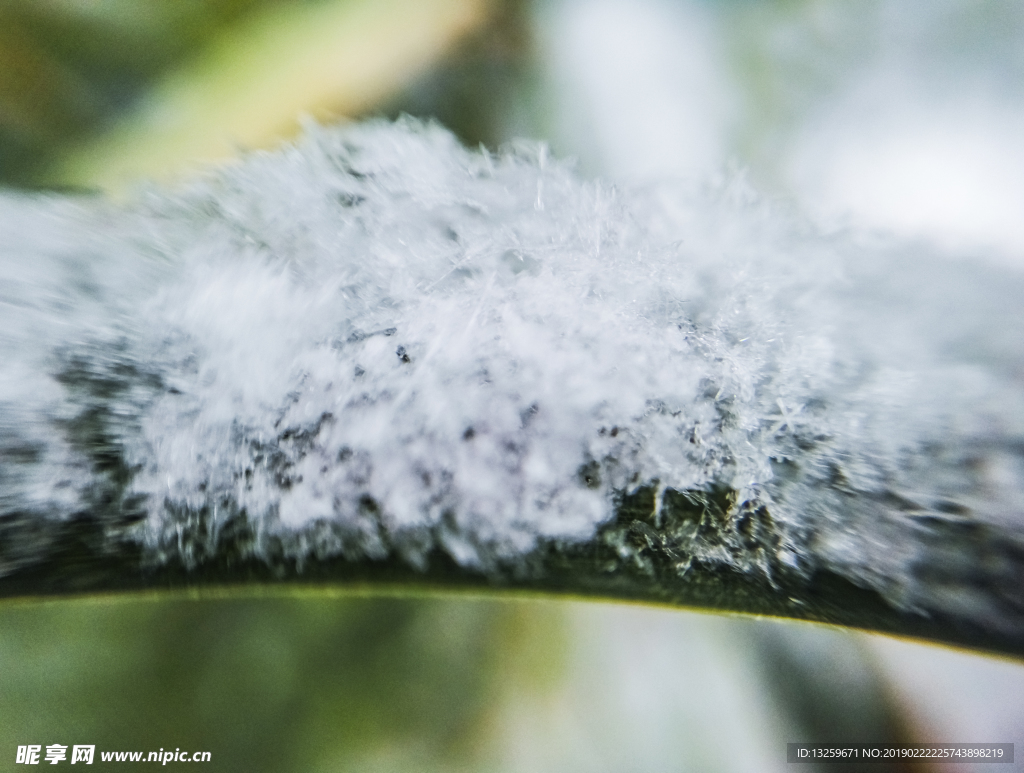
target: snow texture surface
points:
(380, 336)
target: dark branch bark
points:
(631, 558)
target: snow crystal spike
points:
(672, 397)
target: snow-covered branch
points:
(379, 356)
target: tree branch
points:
(379, 359)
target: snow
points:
(421, 346)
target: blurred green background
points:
(101, 94)
(271, 684)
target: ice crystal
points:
(380, 336)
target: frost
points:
(377, 342)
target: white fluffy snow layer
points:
(420, 344)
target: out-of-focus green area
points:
(314, 683)
(69, 68)
(102, 94)
(272, 684)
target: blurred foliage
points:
(250, 86)
(486, 89)
(106, 92)
(272, 684)
(67, 66)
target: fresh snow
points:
(422, 346)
